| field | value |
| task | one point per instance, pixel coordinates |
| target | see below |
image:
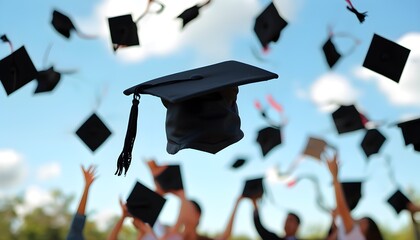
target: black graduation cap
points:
(253, 188)
(331, 53)
(268, 25)
(360, 15)
(398, 201)
(47, 80)
(123, 31)
(201, 107)
(64, 25)
(16, 70)
(386, 58)
(347, 119)
(352, 193)
(372, 142)
(170, 178)
(145, 204)
(93, 132)
(239, 162)
(268, 138)
(315, 147)
(411, 132)
(191, 13)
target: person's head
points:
(369, 229)
(291, 224)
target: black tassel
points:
(360, 16)
(124, 160)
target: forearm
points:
(228, 231)
(342, 207)
(82, 204)
(116, 230)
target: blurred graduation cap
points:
(347, 119)
(315, 147)
(64, 25)
(16, 70)
(352, 193)
(253, 188)
(170, 178)
(330, 52)
(5, 39)
(360, 15)
(386, 58)
(239, 162)
(145, 204)
(372, 142)
(411, 132)
(202, 113)
(123, 31)
(93, 132)
(268, 138)
(191, 13)
(268, 25)
(398, 201)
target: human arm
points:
(342, 208)
(262, 231)
(228, 231)
(118, 226)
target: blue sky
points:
(38, 131)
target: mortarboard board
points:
(170, 178)
(201, 107)
(253, 188)
(372, 142)
(191, 13)
(352, 193)
(145, 204)
(239, 162)
(123, 31)
(347, 119)
(268, 25)
(268, 138)
(16, 70)
(398, 201)
(93, 132)
(331, 53)
(411, 132)
(315, 147)
(47, 80)
(386, 58)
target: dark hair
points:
(373, 232)
(197, 206)
(295, 216)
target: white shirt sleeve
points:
(354, 234)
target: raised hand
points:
(89, 174)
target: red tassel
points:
(274, 104)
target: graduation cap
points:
(191, 13)
(5, 39)
(268, 138)
(239, 162)
(372, 142)
(93, 132)
(145, 204)
(398, 201)
(411, 132)
(64, 25)
(253, 188)
(268, 25)
(47, 80)
(331, 53)
(352, 193)
(315, 147)
(123, 31)
(16, 70)
(347, 119)
(360, 15)
(202, 113)
(386, 58)
(170, 178)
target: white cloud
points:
(12, 168)
(104, 219)
(210, 35)
(406, 92)
(34, 197)
(48, 171)
(331, 90)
